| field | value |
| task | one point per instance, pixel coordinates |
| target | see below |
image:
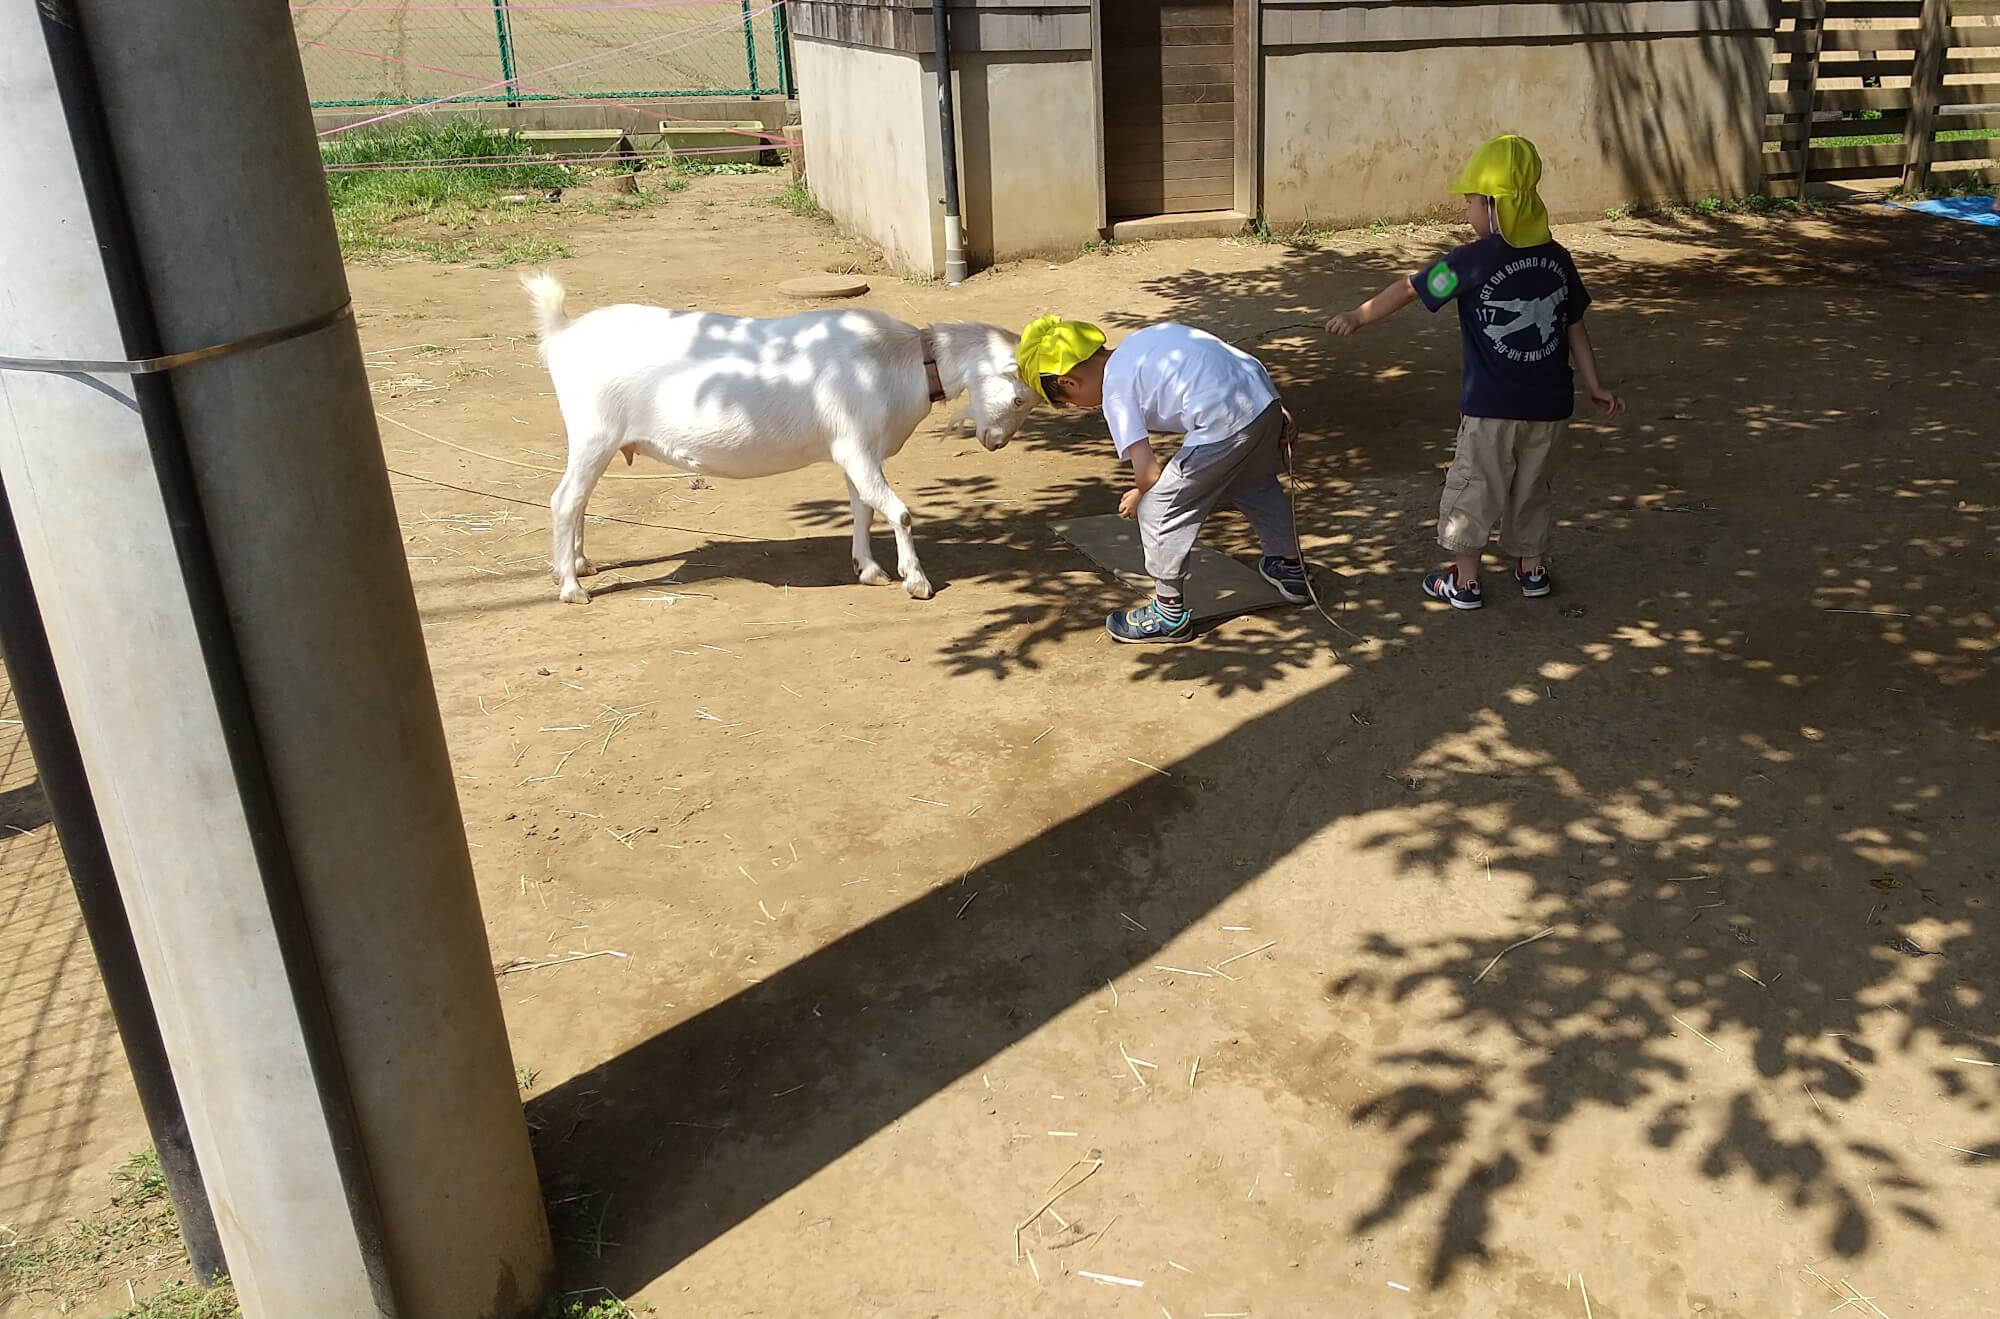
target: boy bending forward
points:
(1171, 379)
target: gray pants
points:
(1244, 468)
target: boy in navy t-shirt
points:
(1520, 317)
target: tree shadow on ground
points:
(1728, 765)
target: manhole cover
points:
(824, 286)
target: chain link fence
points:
(520, 52)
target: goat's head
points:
(997, 399)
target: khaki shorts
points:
(1499, 477)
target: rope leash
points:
(1292, 475)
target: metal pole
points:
(954, 233)
(781, 37)
(750, 47)
(31, 669)
(503, 32)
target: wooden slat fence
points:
(1917, 82)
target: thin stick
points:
(513, 967)
(1133, 1068)
(1143, 765)
(1859, 1299)
(1960, 1149)
(1815, 1098)
(1703, 1038)
(1062, 1191)
(1110, 1279)
(1867, 613)
(1182, 971)
(1240, 956)
(1044, 733)
(1191, 1072)
(1100, 1233)
(928, 802)
(1031, 1266)
(1114, 992)
(1586, 1297)
(1519, 943)
(1752, 979)
(968, 903)
(1976, 1062)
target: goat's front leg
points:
(864, 473)
(865, 567)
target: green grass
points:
(135, 1235)
(692, 165)
(1889, 139)
(1307, 235)
(366, 202)
(798, 199)
(182, 1300)
(461, 212)
(597, 1304)
(136, 1238)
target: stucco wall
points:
(1366, 110)
(1027, 153)
(869, 127)
(1352, 136)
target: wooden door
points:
(1169, 106)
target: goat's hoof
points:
(585, 568)
(871, 574)
(918, 586)
(574, 594)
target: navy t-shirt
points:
(1515, 307)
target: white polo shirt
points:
(1171, 379)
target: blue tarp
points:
(1975, 210)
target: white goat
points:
(735, 397)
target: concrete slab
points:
(1189, 224)
(1218, 586)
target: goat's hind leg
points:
(587, 461)
(865, 567)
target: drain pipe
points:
(954, 231)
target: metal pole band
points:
(147, 366)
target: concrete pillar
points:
(221, 575)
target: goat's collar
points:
(931, 376)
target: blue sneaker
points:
(1287, 575)
(1534, 584)
(1151, 623)
(1445, 586)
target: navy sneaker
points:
(1287, 575)
(1534, 584)
(1445, 586)
(1151, 623)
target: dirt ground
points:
(931, 910)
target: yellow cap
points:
(1052, 346)
(1508, 169)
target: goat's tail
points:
(545, 295)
